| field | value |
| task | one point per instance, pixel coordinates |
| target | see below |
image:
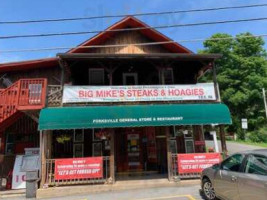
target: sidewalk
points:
(119, 185)
(12, 193)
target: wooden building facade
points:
(139, 146)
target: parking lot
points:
(190, 192)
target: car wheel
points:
(208, 190)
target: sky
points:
(13, 10)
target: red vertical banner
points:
(78, 168)
(195, 163)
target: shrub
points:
(259, 135)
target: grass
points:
(264, 145)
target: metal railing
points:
(175, 171)
(51, 181)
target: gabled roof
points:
(127, 22)
(132, 22)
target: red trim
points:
(31, 64)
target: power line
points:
(123, 45)
(136, 14)
(134, 29)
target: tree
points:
(241, 74)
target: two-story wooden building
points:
(129, 98)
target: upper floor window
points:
(96, 77)
(166, 76)
(130, 79)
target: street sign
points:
(244, 123)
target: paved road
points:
(233, 147)
(165, 193)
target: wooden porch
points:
(25, 95)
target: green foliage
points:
(259, 136)
(63, 138)
(241, 74)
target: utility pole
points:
(264, 99)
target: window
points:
(233, 163)
(167, 76)
(96, 77)
(189, 146)
(78, 150)
(256, 164)
(35, 93)
(130, 79)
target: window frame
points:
(132, 74)
(96, 69)
(163, 78)
(241, 166)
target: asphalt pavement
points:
(164, 193)
(233, 147)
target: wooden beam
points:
(169, 154)
(223, 140)
(62, 78)
(43, 154)
(112, 157)
(214, 76)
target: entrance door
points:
(129, 150)
(162, 155)
(134, 151)
(139, 151)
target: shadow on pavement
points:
(201, 194)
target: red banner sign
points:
(79, 168)
(195, 163)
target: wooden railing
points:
(54, 95)
(50, 175)
(23, 95)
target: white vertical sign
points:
(18, 178)
(244, 123)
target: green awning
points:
(133, 116)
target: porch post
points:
(223, 140)
(45, 150)
(43, 161)
(169, 154)
(112, 158)
(214, 76)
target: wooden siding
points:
(130, 37)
